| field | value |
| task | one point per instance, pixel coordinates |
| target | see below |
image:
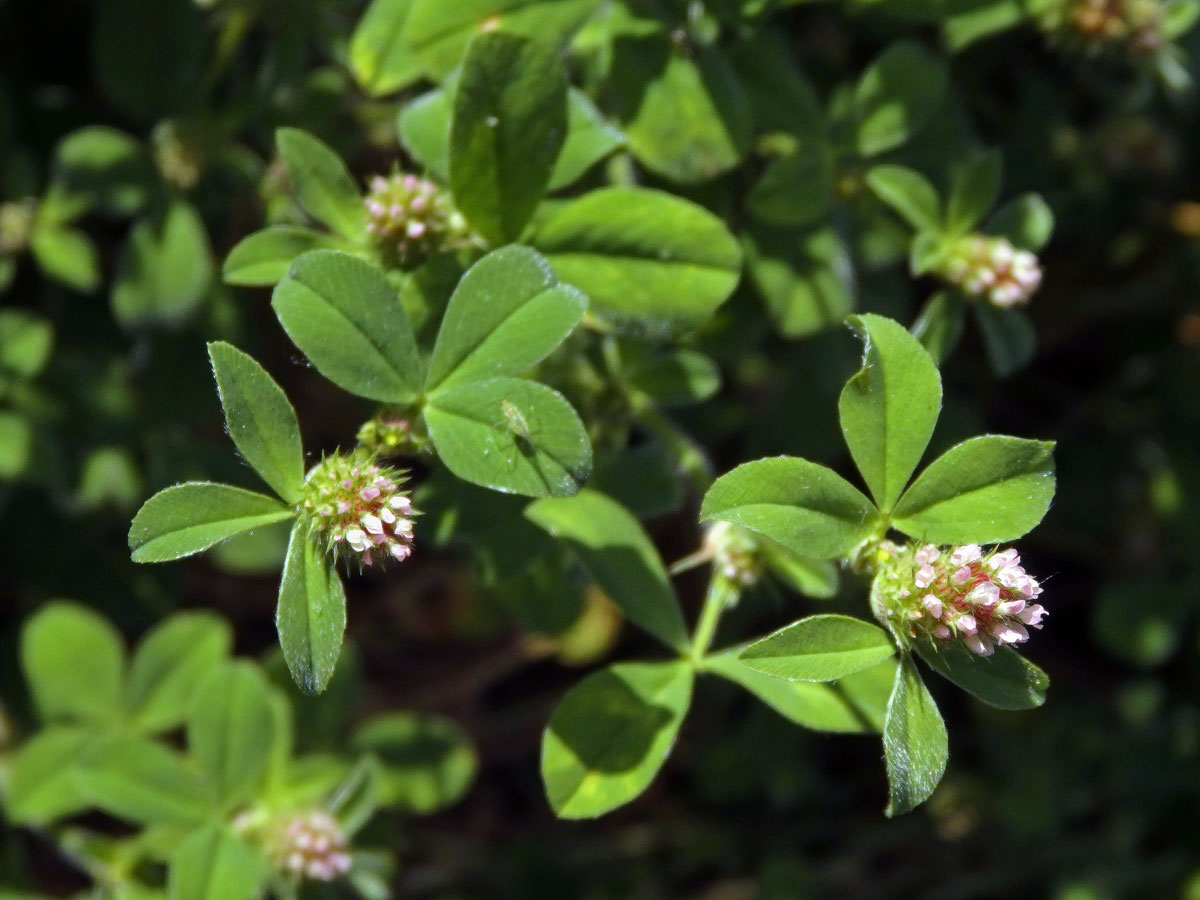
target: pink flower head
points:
(308, 845)
(992, 268)
(410, 219)
(962, 593)
(359, 508)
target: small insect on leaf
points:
(516, 422)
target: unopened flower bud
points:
(993, 268)
(735, 554)
(391, 434)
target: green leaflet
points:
(322, 183)
(985, 490)
(74, 661)
(1005, 680)
(191, 517)
(617, 553)
(507, 313)
(807, 508)
(216, 863)
(311, 614)
(427, 762)
(437, 32)
(821, 707)
(230, 730)
(889, 408)
(611, 734)
(263, 258)
(260, 420)
(380, 58)
(165, 268)
(347, 318)
(510, 435)
(508, 125)
(649, 261)
(896, 97)
(168, 665)
(141, 781)
(915, 744)
(685, 114)
(820, 648)
(41, 783)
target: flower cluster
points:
(960, 594)
(1135, 26)
(310, 845)
(992, 267)
(359, 508)
(410, 218)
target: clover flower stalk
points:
(963, 594)
(309, 845)
(359, 508)
(410, 218)
(991, 267)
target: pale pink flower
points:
(985, 593)
(927, 554)
(932, 605)
(1009, 632)
(308, 845)
(1032, 615)
(977, 643)
(965, 594)
(925, 576)
(967, 553)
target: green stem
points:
(722, 594)
(234, 29)
(688, 456)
